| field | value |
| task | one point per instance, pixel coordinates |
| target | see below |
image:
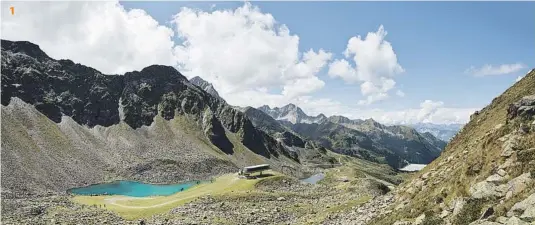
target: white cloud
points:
(489, 70)
(400, 93)
(440, 115)
(375, 65)
(100, 34)
(519, 78)
(428, 112)
(245, 49)
(246, 54)
(427, 108)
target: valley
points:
(65, 125)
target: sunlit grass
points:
(135, 208)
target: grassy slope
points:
(475, 145)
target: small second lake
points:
(132, 188)
(314, 178)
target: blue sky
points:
(435, 41)
(455, 57)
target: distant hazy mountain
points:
(396, 145)
(442, 131)
(292, 114)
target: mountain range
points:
(66, 125)
(89, 115)
(396, 145)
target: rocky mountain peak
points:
(292, 114)
(205, 85)
(372, 122)
(291, 108)
(163, 70)
(26, 48)
(264, 108)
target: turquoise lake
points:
(132, 188)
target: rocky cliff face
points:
(63, 90)
(59, 87)
(91, 98)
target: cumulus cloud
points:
(249, 57)
(490, 70)
(100, 34)
(244, 49)
(375, 65)
(428, 112)
(440, 115)
(427, 108)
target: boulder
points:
(496, 179)
(458, 205)
(401, 222)
(509, 146)
(444, 213)
(525, 107)
(529, 214)
(485, 189)
(518, 184)
(501, 219)
(502, 172)
(520, 207)
(484, 222)
(516, 221)
(419, 220)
